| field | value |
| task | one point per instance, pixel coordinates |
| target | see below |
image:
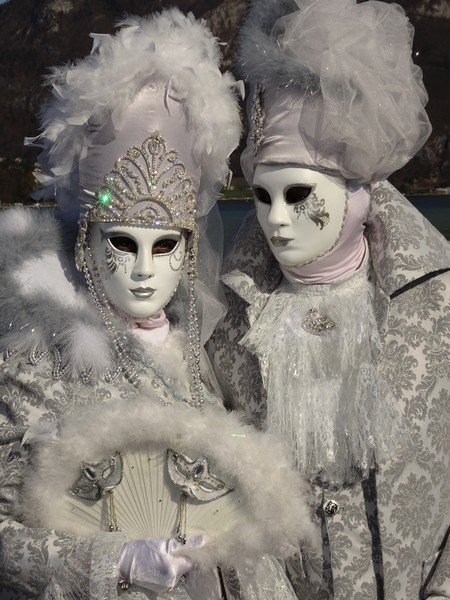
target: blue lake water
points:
(435, 208)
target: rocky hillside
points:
(36, 34)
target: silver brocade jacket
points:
(388, 539)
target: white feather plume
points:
(261, 59)
(166, 47)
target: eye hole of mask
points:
(164, 246)
(124, 243)
(297, 193)
(262, 195)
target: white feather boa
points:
(256, 463)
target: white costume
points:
(338, 320)
(111, 436)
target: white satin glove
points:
(155, 565)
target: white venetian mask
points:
(301, 211)
(139, 266)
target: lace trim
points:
(90, 572)
(268, 581)
(324, 390)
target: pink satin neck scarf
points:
(153, 330)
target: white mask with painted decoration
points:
(139, 266)
(301, 211)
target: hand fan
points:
(149, 493)
(165, 471)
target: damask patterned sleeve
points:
(30, 557)
(236, 369)
(35, 561)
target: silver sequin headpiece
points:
(148, 186)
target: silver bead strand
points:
(105, 310)
(193, 332)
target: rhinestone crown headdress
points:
(147, 186)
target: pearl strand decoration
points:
(125, 364)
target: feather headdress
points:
(154, 89)
(338, 80)
(167, 51)
(261, 59)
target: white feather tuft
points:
(262, 59)
(42, 305)
(17, 222)
(86, 348)
(168, 46)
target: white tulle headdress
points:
(140, 132)
(333, 86)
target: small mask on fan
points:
(194, 478)
(99, 478)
